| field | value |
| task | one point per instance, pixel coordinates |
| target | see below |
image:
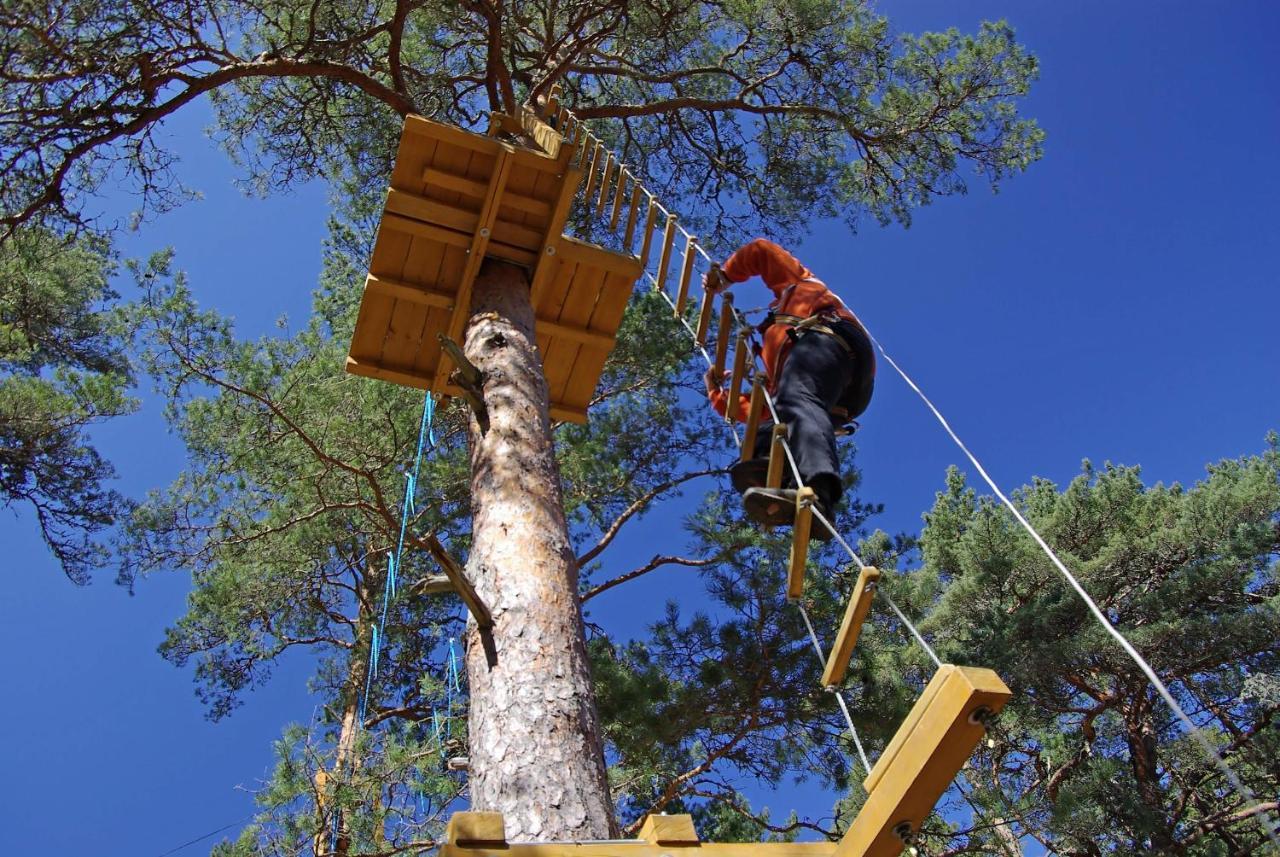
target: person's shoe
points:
(751, 473)
(770, 507)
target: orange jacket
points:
(796, 292)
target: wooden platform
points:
(455, 199)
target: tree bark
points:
(536, 754)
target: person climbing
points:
(820, 368)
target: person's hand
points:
(714, 282)
(712, 382)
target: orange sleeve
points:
(762, 258)
(719, 401)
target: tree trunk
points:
(536, 754)
(1142, 756)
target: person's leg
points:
(813, 378)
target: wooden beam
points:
(929, 749)
(435, 584)
(591, 172)
(722, 335)
(407, 292)
(633, 213)
(454, 572)
(773, 479)
(805, 498)
(547, 264)
(686, 271)
(605, 176)
(646, 239)
(367, 369)
(454, 136)
(735, 378)
(753, 418)
(483, 829)
(864, 591)
(477, 190)
(475, 255)
(664, 256)
(497, 248)
(586, 253)
(617, 198)
(583, 335)
(668, 830)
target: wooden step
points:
(805, 498)
(864, 591)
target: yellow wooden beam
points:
(805, 499)
(668, 830)
(664, 256)
(583, 335)
(477, 190)
(735, 379)
(620, 191)
(704, 317)
(753, 418)
(722, 335)
(476, 828)
(773, 479)
(864, 591)
(633, 213)
(686, 272)
(407, 292)
(646, 240)
(605, 178)
(929, 749)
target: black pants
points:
(816, 376)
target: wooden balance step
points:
(455, 199)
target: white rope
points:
(1210, 751)
(817, 648)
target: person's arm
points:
(719, 397)
(766, 260)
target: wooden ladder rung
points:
(686, 273)
(929, 749)
(773, 478)
(805, 498)
(664, 255)
(722, 335)
(735, 380)
(754, 410)
(864, 591)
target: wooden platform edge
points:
(929, 749)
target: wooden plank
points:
(722, 334)
(585, 253)
(664, 256)
(430, 211)
(923, 758)
(475, 255)
(375, 310)
(864, 591)
(610, 307)
(668, 830)
(591, 172)
(753, 418)
(476, 190)
(646, 239)
(633, 213)
(579, 304)
(581, 335)
(476, 828)
(622, 848)
(549, 263)
(704, 317)
(521, 157)
(805, 498)
(686, 271)
(465, 590)
(451, 269)
(408, 292)
(617, 199)
(409, 226)
(735, 378)
(369, 369)
(773, 478)
(605, 178)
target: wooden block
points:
(620, 190)
(777, 456)
(864, 592)
(591, 171)
(753, 418)
(633, 214)
(735, 379)
(646, 240)
(668, 830)
(722, 335)
(686, 272)
(664, 256)
(704, 317)
(585, 253)
(485, 829)
(923, 758)
(805, 499)
(605, 178)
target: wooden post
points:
(605, 175)
(753, 417)
(682, 295)
(773, 479)
(664, 258)
(632, 214)
(847, 637)
(617, 198)
(735, 382)
(553, 102)
(805, 498)
(647, 242)
(722, 335)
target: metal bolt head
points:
(484, 232)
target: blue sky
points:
(1118, 302)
